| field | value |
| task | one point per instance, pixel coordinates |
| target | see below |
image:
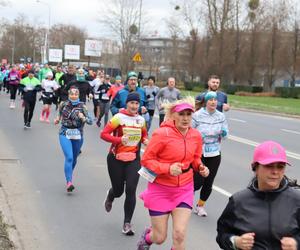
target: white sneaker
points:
(200, 211)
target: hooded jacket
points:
(270, 215)
(168, 146)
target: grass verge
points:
(270, 104)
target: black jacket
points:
(270, 215)
(63, 82)
(84, 89)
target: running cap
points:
(131, 74)
(269, 152)
(133, 96)
(118, 77)
(183, 106)
(210, 95)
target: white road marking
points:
(290, 131)
(253, 143)
(237, 120)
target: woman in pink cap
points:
(266, 215)
(172, 154)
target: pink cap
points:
(269, 152)
(183, 106)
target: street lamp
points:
(46, 46)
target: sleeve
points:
(106, 133)
(224, 130)
(114, 107)
(150, 158)
(61, 79)
(225, 228)
(296, 236)
(179, 96)
(225, 98)
(197, 156)
(144, 132)
(195, 121)
(89, 119)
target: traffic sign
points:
(137, 57)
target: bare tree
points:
(123, 20)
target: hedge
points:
(288, 92)
(231, 89)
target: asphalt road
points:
(48, 218)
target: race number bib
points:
(147, 174)
(73, 134)
(105, 97)
(134, 136)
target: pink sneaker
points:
(47, 120)
(70, 187)
(42, 118)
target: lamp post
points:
(46, 45)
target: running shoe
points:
(142, 244)
(127, 229)
(42, 118)
(27, 125)
(107, 203)
(70, 187)
(47, 120)
(98, 123)
(200, 211)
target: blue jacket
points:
(120, 99)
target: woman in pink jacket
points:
(171, 156)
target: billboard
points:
(92, 48)
(72, 52)
(55, 55)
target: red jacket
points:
(168, 146)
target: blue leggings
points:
(71, 150)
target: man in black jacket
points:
(64, 81)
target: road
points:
(31, 173)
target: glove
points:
(153, 93)
(148, 96)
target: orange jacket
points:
(168, 146)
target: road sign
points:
(137, 57)
(72, 52)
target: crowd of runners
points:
(181, 157)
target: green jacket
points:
(43, 72)
(27, 82)
(58, 75)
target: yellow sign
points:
(137, 57)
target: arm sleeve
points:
(225, 227)
(106, 133)
(144, 132)
(224, 128)
(150, 158)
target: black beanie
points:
(152, 78)
(133, 96)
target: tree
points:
(123, 20)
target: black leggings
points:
(120, 173)
(213, 164)
(28, 110)
(13, 91)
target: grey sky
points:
(82, 14)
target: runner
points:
(112, 92)
(49, 86)
(119, 101)
(95, 90)
(29, 87)
(73, 115)
(64, 81)
(13, 80)
(104, 101)
(123, 160)
(213, 85)
(151, 91)
(167, 94)
(266, 215)
(172, 154)
(213, 127)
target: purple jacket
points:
(13, 78)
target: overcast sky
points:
(83, 14)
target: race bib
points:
(105, 97)
(96, 96)
(134, 136)
(211, 150)
(147, 174)
(29, 87)
(73, 134)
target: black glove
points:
(148, 96)
(154, 93)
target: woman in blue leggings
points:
(73, 115)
